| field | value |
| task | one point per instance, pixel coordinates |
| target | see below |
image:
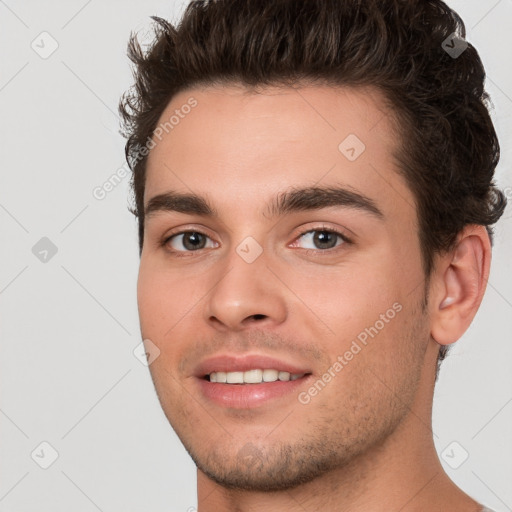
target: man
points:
(314, 188)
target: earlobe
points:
(461, 282)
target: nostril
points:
(258, 317)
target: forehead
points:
(239, 147)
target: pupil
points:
(322, 236)
(191, 237)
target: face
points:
(253, 280)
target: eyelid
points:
(345, 240)
(324, 227)
(304, 231)
(182, 231)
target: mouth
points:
(249, 381)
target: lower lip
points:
(248, 396)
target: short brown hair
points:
(448, 146)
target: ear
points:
(458, 285)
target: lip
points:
(248, 396)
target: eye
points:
(190, 240)
(324, 239)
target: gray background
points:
(69, 325)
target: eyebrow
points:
(293, 200)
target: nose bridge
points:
(247, 290)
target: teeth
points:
(255, 376)
(235, 377)
(270, 375)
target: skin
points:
(364, 442)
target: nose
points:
(246, 294)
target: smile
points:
(256, 376)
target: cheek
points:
(148, 301)
(159, 311)
(170, 289)
(350, 298)
(159, 304)
(362, 320)
(166, 305)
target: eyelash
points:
(321, 229)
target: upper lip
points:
(242, 363)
